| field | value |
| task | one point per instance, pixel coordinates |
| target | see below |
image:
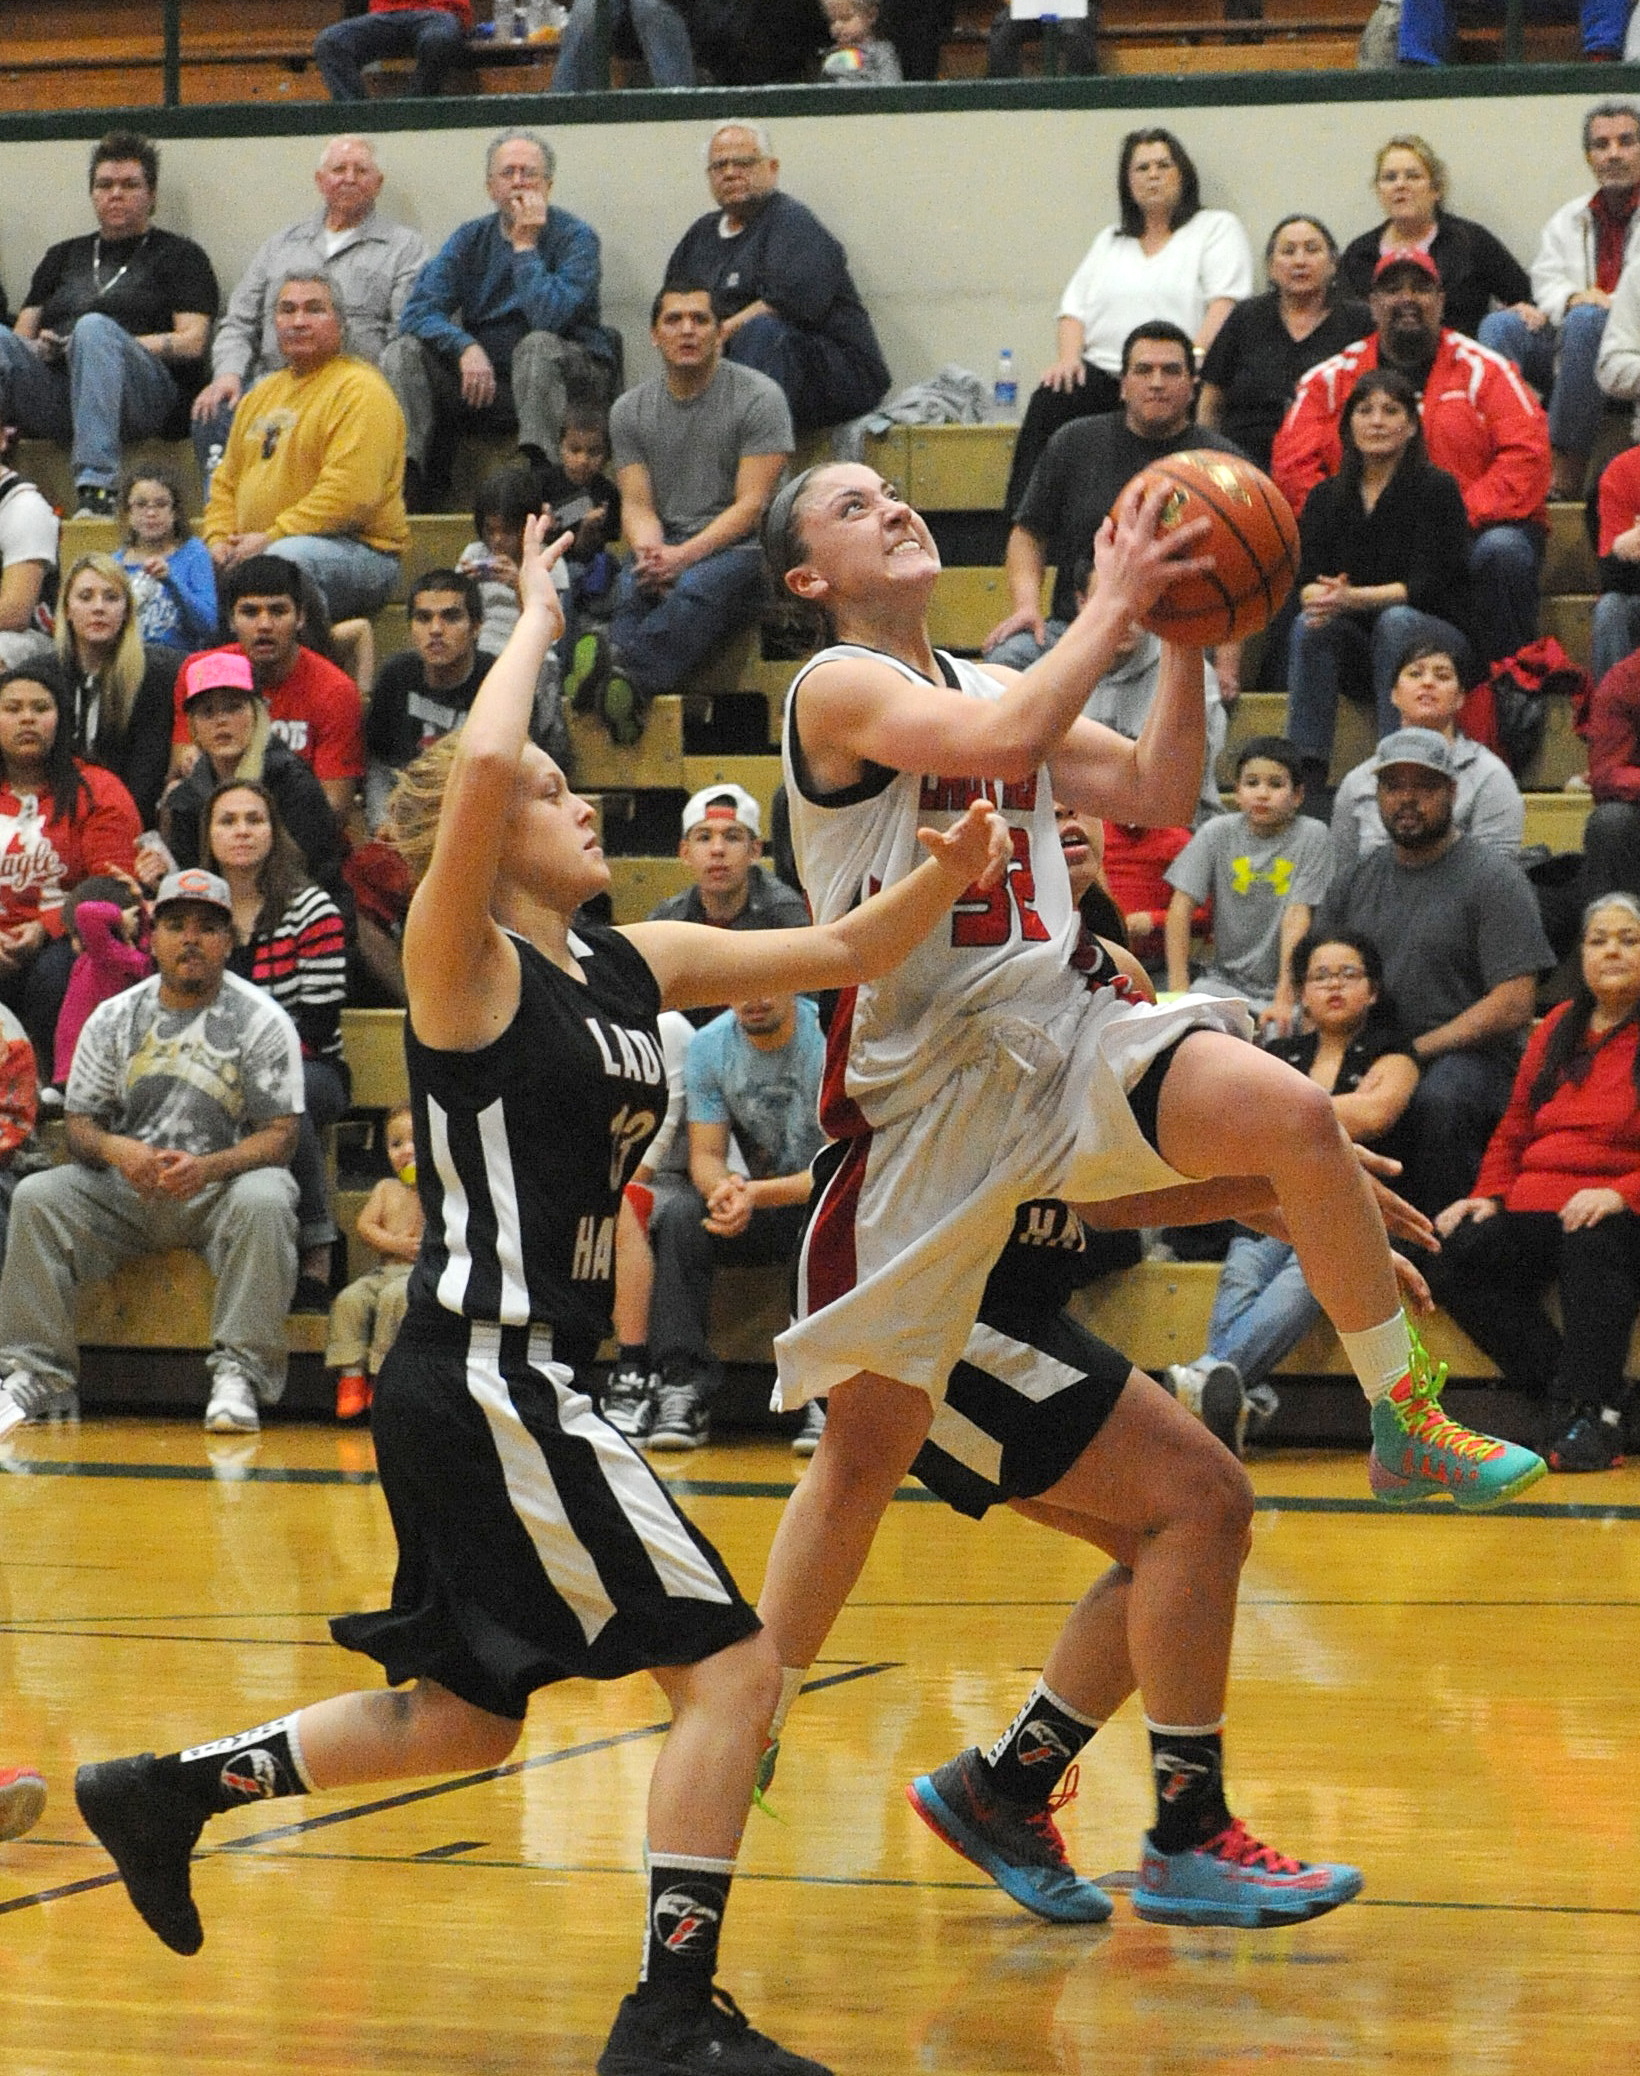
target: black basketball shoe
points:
(654, 2037)
(150, 1831)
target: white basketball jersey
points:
(999, 956)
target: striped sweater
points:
(302, 962)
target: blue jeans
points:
(1350, 653)
(1616, 631)
(1426, 28)
(430, 35)
(1559, 364)
(1459, 1098)
(1262, 1307)
(354, 579)
(824, 384)
(1021, 650)
(105, 388)
(662, 34)
(660, 638)
(1504, 561)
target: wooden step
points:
(1563, 754)
(637, 884)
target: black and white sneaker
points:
(628, 1400)
(1591, 1441)
(1212, 1391)
(653, 2037)
(681, 1419)
(807, 1438)
(150, 1832)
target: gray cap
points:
(194, 884)
(1417, 746)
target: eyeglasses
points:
(1325, 976)
(739, 165)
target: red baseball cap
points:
(1411, 256)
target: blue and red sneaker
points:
(1020, 1848)
(1234, 1879)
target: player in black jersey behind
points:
(534, 1543)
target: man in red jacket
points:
(1481, 423)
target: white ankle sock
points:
(1380, 1357)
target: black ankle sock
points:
(1028, 1758)
(258, 1765)
(633, 1355)
(687, 1899)
(1189, 1769)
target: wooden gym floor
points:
(1454, 1703)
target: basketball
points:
(1253, 545)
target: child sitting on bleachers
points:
(173, 579)
(506, 498)
(107, 926)
(858, 56)
(583, 496)
(366, 1317)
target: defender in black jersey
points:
(534, 1543)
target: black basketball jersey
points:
(523, 1148)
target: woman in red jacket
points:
(61, 820)
(1558, 1199)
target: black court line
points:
(749, 1488)
(429, 1794)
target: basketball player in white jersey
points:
(985, 1073)
(534, 1543)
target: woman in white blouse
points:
(1167, 257)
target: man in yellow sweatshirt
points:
(314, 465)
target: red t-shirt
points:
(317, 711)
(43, 856)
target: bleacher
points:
(726, 726)
(74, 54)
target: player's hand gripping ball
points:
(1253, 547)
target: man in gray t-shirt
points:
(1457, 924)
(181, 1113)
(698, 451)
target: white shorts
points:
(909, 1226)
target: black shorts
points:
(1032, 1390)
(535, 1544)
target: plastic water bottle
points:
(1006, 390)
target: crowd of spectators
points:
(176, 720)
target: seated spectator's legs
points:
(1577, 403)
(1262, 1307)
(355, 580)
(1616, 631)
(1459, 1098)
(1611, 849)
(685, 1254)
(116, 389)
(1503, 568)
(663, 37)
(1532, 351)
(547, 373)
(658, 640)
(1491, 1277)
(1324, 660)
(1046, 412)
(429, 34)
(325, 1094)
(33, 394)
(823, 384)
(428, 387)
(1021, 650)
(247, 1234)
(392, 1301)
(1426, 32)
(1006, 39)
(36, 994)
(69, 1226)
(1603, 23)
(1394, 633)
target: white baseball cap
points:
(724, 802)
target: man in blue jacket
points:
(502, 326)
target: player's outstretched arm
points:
(697, 966)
